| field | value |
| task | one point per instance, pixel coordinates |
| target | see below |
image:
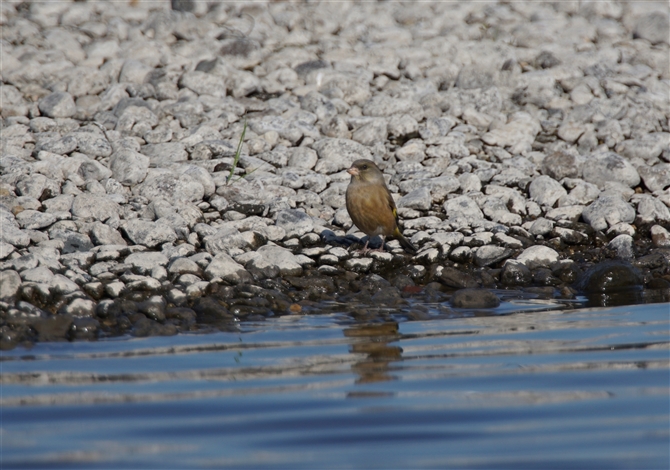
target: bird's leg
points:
(381, 248)
(365, 249)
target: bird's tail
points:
(405, 243)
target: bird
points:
(371, 206)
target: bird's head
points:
(366, 170)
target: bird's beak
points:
(353, 171)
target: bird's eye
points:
(365, 167)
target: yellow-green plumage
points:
(370, 204)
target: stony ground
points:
(526, 144)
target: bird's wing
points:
(391, 202)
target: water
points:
(532, 386)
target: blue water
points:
(540, 388)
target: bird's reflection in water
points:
(372, 341)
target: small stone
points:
(102, 234)
(601, 168)
(224, 267)
(294, 222)
(128, 167)
(623, 246)
(538, 256)
(461, 254)
(654, 27)
(273, 260)
(338, 154)
(80, 308)
(62, 285)
(59, 104)
(115, 289)
(183, 266)
(149, 234)
(650, 210)
(303, 157)
(33, 220)
(40, 274)
(10, 281)
(5, 250)
(144, 262)
(358, 265)
(608, 210)
(546, 191)
(89, 206)
(541, 226)
(463, 207)
(419, 199)
(660, 237)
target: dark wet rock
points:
(146, 327)
(153, 308)
(570, 236)
(474, 298)
(545, 277)
(108, 308)
(55, 328)
(515, 273)
(84, 328)
(210, 310)
(453, 277)
(658, 283)
(566, 271)
(488, 255)
(611, 276)
(185, 315)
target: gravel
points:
(525, 145)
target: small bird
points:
(371, 206)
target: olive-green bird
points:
(371, 206)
